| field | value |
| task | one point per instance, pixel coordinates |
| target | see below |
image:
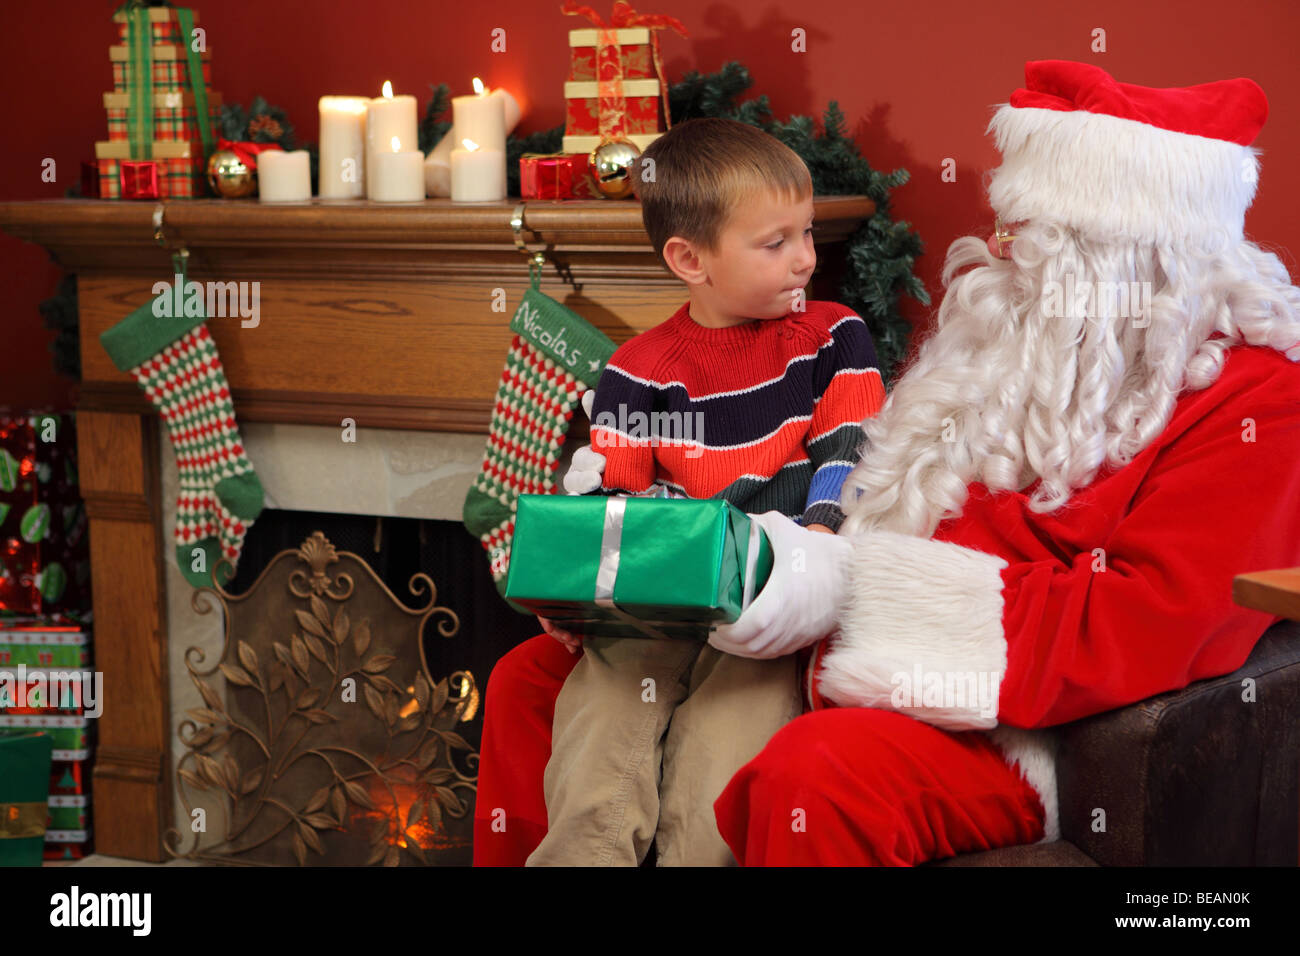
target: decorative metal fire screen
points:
(324, 740)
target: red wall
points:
(916, 81)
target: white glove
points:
(587, 468)
(800, 603)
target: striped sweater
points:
(766, 415)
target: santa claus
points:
(1103, 429)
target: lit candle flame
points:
(388, 89)
(397, 145)
(470, 144)
(479, 88)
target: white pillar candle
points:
(437, 168)
(477, 174)
(480, 118)
(388, 116)
(342, 147)
(399, 174)
(283, 177)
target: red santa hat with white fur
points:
(1121, 162)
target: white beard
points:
(1005, 394)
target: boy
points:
(765, 393)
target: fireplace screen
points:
(323, 738)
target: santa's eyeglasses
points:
(1001, 239)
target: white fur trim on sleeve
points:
(920, 632)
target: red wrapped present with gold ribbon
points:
(555, 176)
(611, 93)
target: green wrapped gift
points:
(24, 796)
(636, 566)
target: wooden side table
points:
(1275, 592)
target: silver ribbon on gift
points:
(611, 545)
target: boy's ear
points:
(684, 261)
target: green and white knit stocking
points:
(555, 356)
(175, 361)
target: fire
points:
(426, 837)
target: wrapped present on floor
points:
(22, 519)
(556, 176)
(67, 844)
(40, 641)
(68, 813)
(616, 87)
(174, 116)
(635, 566)
(164, 25)
(69, 735)
(179, 170)
(24, 795)
(169, 68)
(69, 778)
(45, 566)
(45, 666)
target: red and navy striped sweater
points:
(766, 415)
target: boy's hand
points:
(819, 527)
(572, 641)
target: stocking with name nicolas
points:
(554, 357)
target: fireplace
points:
(327, 702)
(385, 316)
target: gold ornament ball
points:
(610, 164)
(229, 177)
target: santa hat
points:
(1117, 161)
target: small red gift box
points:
(139, 178)
(555, 176)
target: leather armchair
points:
(1204, 776)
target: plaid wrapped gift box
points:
(171, 70)
(163, 26)
(174, 117)
(634, 56)
(180, 168)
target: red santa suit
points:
(1125, 594)
(1122, 593)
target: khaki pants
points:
(616, 781)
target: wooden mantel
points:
(375, 312)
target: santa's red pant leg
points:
(838, 786)
(858, 786)
(518, 711)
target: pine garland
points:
(879, 255)
(264, 123)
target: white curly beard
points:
(1020, 383)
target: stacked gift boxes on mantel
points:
(616, 91)
(156, 146)
(46, 687)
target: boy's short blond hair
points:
(703, 170)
